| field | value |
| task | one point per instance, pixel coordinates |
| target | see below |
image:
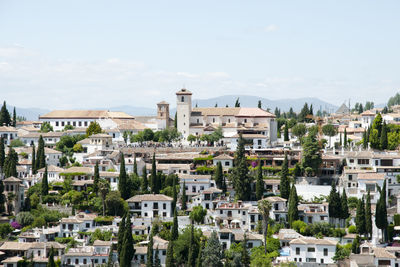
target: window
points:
(74, 123)
(164, 214)
(38, 253)
(227, 163)
(164, 206)
(351, 160)
(164, 252)
(363, 161)
(249, 245)
(310, 249)
(350, 177)
(87, 225)
(325, 252)
(84, 261)
(76, 261)
(297, 251)
(80, 123)
(56, 123)
(62, 123)
(69, 261)
(86, 123)
(213, 119)
(182, 99)
(322, 260)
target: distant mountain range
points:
(221, 101)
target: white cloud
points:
(270, 28)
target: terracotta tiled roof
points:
(149, 197)
(84, 114)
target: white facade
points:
(311, 250)
(150, 206)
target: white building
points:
(150, 205)
(199, 121)
(306, 250)
(8, 134)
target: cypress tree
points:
(135, 171)
(365, 140)
(14, 120)
(150, 253)
(212, 255)
(260, 182)
(285, 183)
(153, 177)
(334, 203)
(10, 163)
(2, 154)
(170, 261)
(344, 214)
(174, 195)
(2, 198)
(345, 138)
(192, 249)
(286, 133)
(293, 212)
(33, 160)
(199, 261)
(340, 140)
(381, 212)
(384, 137)
(259, 105)
(242, 181)
(360, 217)
(224, 188)
(184, 197)
(45, 183)
(245, 252)
(355, 246)
(51, 262)
(40, 156)
(145, 182)
(176, 121)
(96, 178)
(157, 262)
(110, 262)
(127, 251)
(123, 179)
(368, 215)
(4, 115)
(218, 175)
(121, 234)
(174, 229)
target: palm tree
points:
(264, 206)
(104, 188)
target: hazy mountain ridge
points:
(222, 101)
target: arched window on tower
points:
(182, 99)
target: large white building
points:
(248, 121)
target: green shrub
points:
(352, 229)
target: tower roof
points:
(184, 91)
(163, 103)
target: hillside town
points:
(206, 186)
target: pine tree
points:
(360, 217)
(96, 178)
(192, 249)
(344, 214)
(153, 177)
(135, 171)
(260, 182)
(218, 176)
(285, 183)
(14, 120)
(51, 262)
(121, 234)
(123, 179)
(34, 170)
(286, 133)
(293, 212)
(157, 262)
(368, 215)
(384, 137)
(174, 229)
(213, 251)
(150, 253)
(184, 197)
(381, 212)
(45, 183)
(2, 154)
(245, 252)
(127, 251)
(145, 182)
(170, 261)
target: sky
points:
(95, 53)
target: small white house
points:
(150, 205)
(312, 250)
